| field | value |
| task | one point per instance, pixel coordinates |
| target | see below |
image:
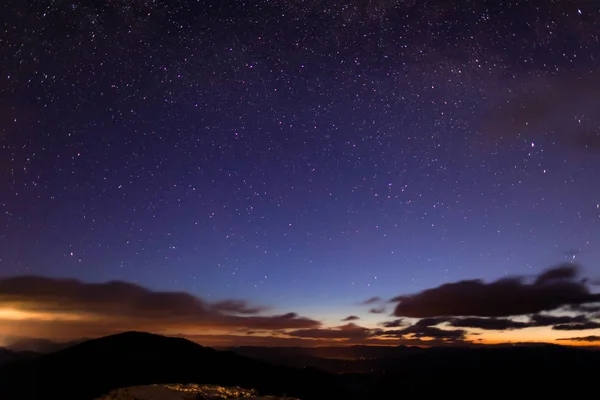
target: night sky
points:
(300, 155)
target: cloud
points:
(348, 331)
(372, 300)
(236, 307)
(243, 340)
(422, 322)
(499, 324)
(430, 321)
(424, 328)
(393, 324)
(274, 322)
(577, 327)
(489, 306)
(505, 297)
(583, 339)
(85, 308)
(554, 274)
(377, 310)
(421, 332)
(233, 340)
(438, 333)
(111, 298)
(69, 309)
(586, 308)
(548, 320)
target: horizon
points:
(281, 172)
(43, 346)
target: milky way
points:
(306, 154)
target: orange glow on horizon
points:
(13, 314)
(55, 324)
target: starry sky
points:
(300, 155)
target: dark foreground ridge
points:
(8, 356)
(91, 369)
(382, 360)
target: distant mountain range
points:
(8, 356)
(23, 344)
(91, 369)
(384, 359)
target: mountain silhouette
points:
(92, 368)
(24, 344)
(502, 371)
(8, 356)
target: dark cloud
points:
(393, 324)
(423, 329)
(578, 327)
(505, 297)
(227, 341)
(488, 323)
(126, 306)
(273, 322)
(430, 321)
(372, 300)
(422, 332)
(111, 298)
(234, 340)
(348, 331)
(351, 318)
(583, 339)
(561, 272)
(585, 308)
(500, 324)
(438, 333)
(236, 307)
(424, 322)
(548, 320)
(377, 310)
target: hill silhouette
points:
(25, 344)
(8, 356)
(510, 371)
(92, 368)
(379, 359)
